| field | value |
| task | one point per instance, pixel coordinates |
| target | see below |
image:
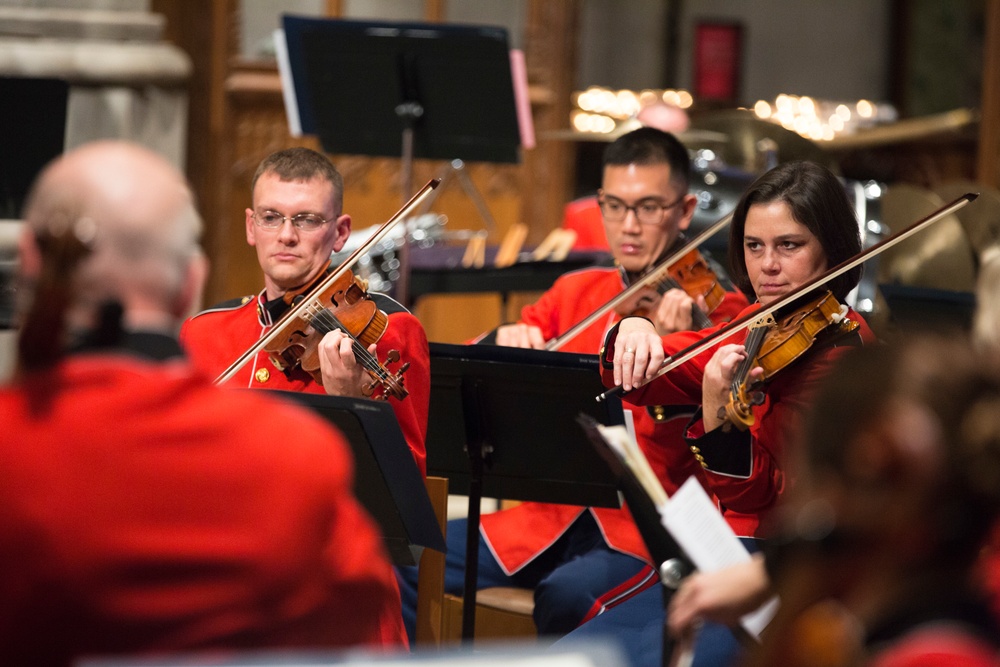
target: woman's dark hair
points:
(816, 199)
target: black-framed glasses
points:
(307, 222)
(647, 211)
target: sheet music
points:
(522, 101)
(287, 84)
(697, 525)
(691, 518)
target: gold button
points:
(262, 375)
(659, 414)
(245, 299)
(694, 448)
(701, 459)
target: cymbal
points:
(745, 131)
(981, 218)
(938, 257)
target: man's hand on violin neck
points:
(342, 374)
(520, 335)
(673, 313)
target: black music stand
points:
(503, 423)
(661, 545)
(33, 113)
(415, 90)
(360, 84)
(387, 481)
(672, 563)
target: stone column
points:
(125, 83)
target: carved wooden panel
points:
(237, 118)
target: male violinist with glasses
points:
(581, 561)
(295, 223)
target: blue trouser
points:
(571, 578)
(637, 626)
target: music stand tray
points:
(522, 404)
(387, 481)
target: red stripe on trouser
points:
(622, 592)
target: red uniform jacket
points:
(216, 337)
(519, 534)
(744, 469)
(144, 510)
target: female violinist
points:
(792, 224)
(789, 226)
(295, 223)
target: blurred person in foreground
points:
(143, 510)
(726, 595)
(899, 488)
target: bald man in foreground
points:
(143, 509)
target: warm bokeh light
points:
(822, 120)
(762, 109)
(603, 110)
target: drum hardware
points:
(380, 266)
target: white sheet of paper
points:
(697, 525)
(287, 85)
(690, 517)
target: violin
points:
(683, 356)
(690, 273)
(774, 344)
(346, 305)
(338, 301)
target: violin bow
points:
(332, 278)
(651, 277)
(686, 354)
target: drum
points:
(718, 188)
(380, 265)
(866, 197)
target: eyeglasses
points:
(307, 222)
(647, 211)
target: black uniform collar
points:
(153, 345)
(272, 310)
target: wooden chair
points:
(430, 627)
(500, 612)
